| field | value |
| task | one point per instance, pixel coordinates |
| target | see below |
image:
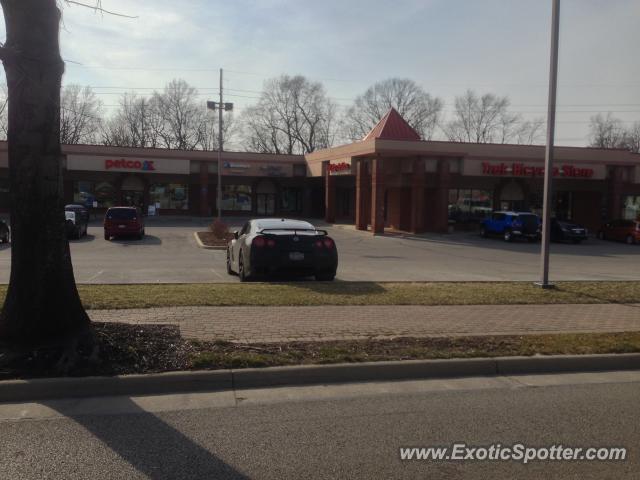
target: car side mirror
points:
(236, 235)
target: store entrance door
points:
(133, 198)
(266, 194)
(266, 203)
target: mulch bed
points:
(210, 240)
(127, 349)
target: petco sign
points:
(122, 164)
(96, 163)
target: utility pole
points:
(548, 161)
(227, 107)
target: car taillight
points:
(259, 242)
(271, 243)
(318, 244)
(328, 243)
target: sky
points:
(446, 46)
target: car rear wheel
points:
(229, 269)
(242, 273)
(630, 240)
(107, 237)
(508, 236)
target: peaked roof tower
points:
(393, 127)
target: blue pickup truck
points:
(512, 225)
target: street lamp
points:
(221, 107)
(548, 160)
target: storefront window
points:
(291, 200)
(169, 196)
(4, 193)
(85, 193)
(631, 207)
(469, 206)
(236, 197)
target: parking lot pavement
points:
(169, 254)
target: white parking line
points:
(217, 274)
(100, 272)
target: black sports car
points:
(565, 231)
(270, 245)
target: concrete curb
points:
(206, 247)
(217, 380)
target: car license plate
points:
(122, 226)
(296, 256)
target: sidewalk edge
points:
(238, 379)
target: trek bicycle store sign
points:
(528, 170)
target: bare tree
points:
(80, 115)
(633, 138)
(608, 132)
(182, 114)
(293, 115)
(42, 300)
(417, 107)
(4, 112)
(487, 119)
(138, 122)
(210, 131)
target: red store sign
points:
(522, 170)
(339, 167)
(143, 165)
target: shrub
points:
(219, 229)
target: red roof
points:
(393, 127)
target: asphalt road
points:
(328, 432)
(169, 254)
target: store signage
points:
(342, 167)
(105, 163)
(233, 166)
(143, 165)
(272, 170)
(522, 170)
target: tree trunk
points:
(42, 300)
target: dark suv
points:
(123, 221)
(77, 217)
(512, 225)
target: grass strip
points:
(352, 293)
(227, 355)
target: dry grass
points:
(352, 293)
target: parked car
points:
(621, 230)
(123, 221)
(5, 233)
(267, 246)
(77, 217)
(512, 225)
(565, 231)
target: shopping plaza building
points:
(389, 179)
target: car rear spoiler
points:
(294, 230)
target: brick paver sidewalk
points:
(280, 324)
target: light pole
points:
(226, 107)
(548, 160)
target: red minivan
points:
(121, 221)
(622, 230)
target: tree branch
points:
(98, 8)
